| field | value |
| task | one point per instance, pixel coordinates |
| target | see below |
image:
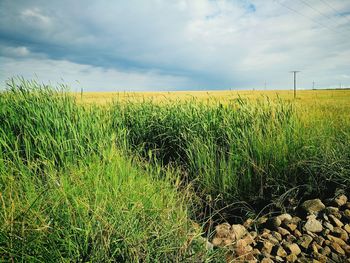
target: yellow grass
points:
(340, 96)
(313, 105)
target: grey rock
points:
(313, 206)
(340, 200)
(313, 225)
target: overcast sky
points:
(176, 44)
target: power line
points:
(321, 13)
(301, 14)
(316, 10)
(335, 10)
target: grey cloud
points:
(238, 46)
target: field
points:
(137, 177)
(306, 96)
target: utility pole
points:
(295, 82)
(313, 85)
(265, 85)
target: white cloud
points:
(205, 43)
(89, 77)
(35, 17)
(15, 51)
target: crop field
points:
(139, 177)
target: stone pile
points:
(318, 233)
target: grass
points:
(122, 180)
(67, 194)
(241, 149)
(305, 98)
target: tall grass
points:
(240, 150)
(67, 194)
(110, 183)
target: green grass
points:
(240, 150)
(123, 181)
(67, 194)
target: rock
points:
(256, 252)
(253, 234)
(337, 248)
(335, 257)
(279, 251)
(313, 206)
(279, 259)
(295, 220)
(325, 251)
(325, 232)
(289, 225)
(290, 238)
(319, 257)
(261, 220)
(283, 231)
(238, 231)
(241, 248)
(266, 247)
(341, 233)
(303, 259)
(334, 239)
(223, 230)
(347, 214)
(314, 247)
(313, 235)
(273, 223)
(274, 240)
(267, 260)
(319, 240)
(297, 233)
(217, 241)
(249, 239)
(340, 200)
(313, 225)
(276, 235)
(347, 205)
(265, 233)
(328, 225)
(335, 221)
(291, 258)
(293, 249)
(331, 210)
(227, 242)
(346, 248)
(248, 223)
(325, 217)
(304, 241)
(284, 217)
(347, 228)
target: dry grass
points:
(307, 97)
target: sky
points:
(158, 45)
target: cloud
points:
(19, 51)
(208, 44)
(35, 16)
(89, 77)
